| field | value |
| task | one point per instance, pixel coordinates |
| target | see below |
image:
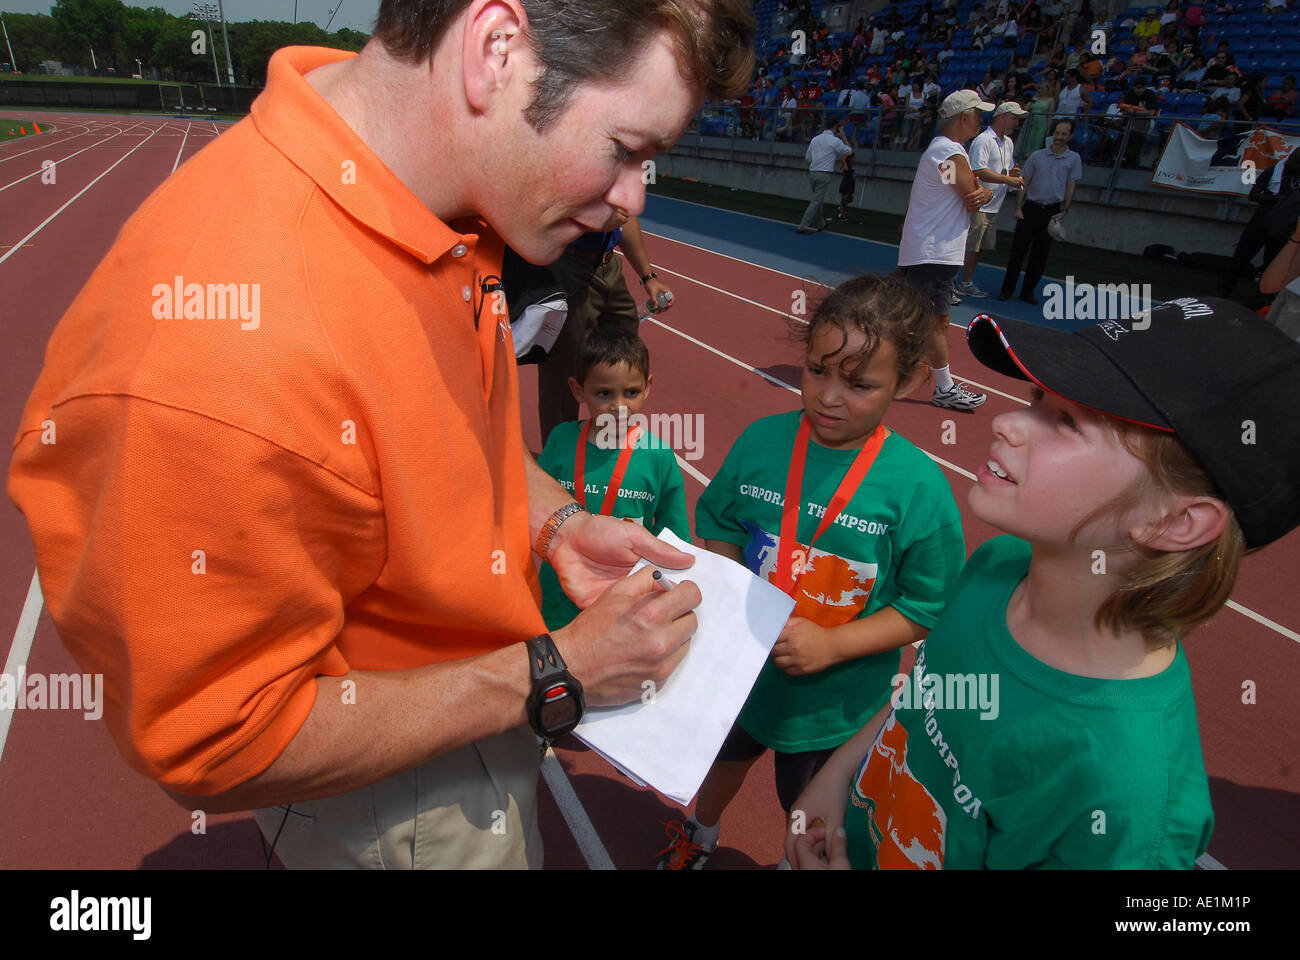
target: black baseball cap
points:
(1218, 376)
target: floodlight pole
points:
(13, 63)
(230, 68)
(332, 15)
(201, 10)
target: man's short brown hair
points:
(580, 41)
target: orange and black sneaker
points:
(682, 852)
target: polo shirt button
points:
(459, 250)
(466, 293)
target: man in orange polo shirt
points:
(273, 466)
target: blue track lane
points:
(827, 258)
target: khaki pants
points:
(474, 808)
(814, 218)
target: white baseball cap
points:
(1010, 107)
(961, 101)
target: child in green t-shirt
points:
(868, 556)
(613, 380)
(1050, 720)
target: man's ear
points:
(576, 389)
(649, 382)
(1189, 522)
(493, 49)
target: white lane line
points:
(57, 162)
(1244, 610)
(44, 223)
(580, 825)
(704, 481)
(21, 648)
(781, 383)
(182, 149)
(725, 356)
(1260, 618)
(790, 316)
(46, 146)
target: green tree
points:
(32, 37)
(142, 29)
(85, 25)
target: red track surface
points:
(68, 800)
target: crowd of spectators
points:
(887, 76)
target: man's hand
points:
(635, 632)
(592, 553)
(804, 647)
(977, 198)
(1020, 214)
(653, 288)
(1015, 172)
(1017, 182)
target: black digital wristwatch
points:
(556, 704)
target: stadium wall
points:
(1133, 216)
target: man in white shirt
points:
(931, 88)
(933, 246)
(991, 160)
(824, 154)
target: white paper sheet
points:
(671, 743)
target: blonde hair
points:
(1167, 595)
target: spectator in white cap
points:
(933, 245)
(992, 160)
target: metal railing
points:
(1116, 142)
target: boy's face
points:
(1061, 463)
(609, 387)
(845, 406)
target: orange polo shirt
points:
(269, 443)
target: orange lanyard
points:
(785, 578)
(616, 478)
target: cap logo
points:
(1192, 308)
(1112, 329)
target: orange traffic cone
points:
(22, 131)
(35, 128)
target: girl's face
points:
(1061, 464)
(845, 403)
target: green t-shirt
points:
(897, 543)
(652, 494)
(1044, 769)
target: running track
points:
(68, 800)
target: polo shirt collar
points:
(298, 122)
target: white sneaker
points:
(958, 398)
(971, 290)
(953, 299)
